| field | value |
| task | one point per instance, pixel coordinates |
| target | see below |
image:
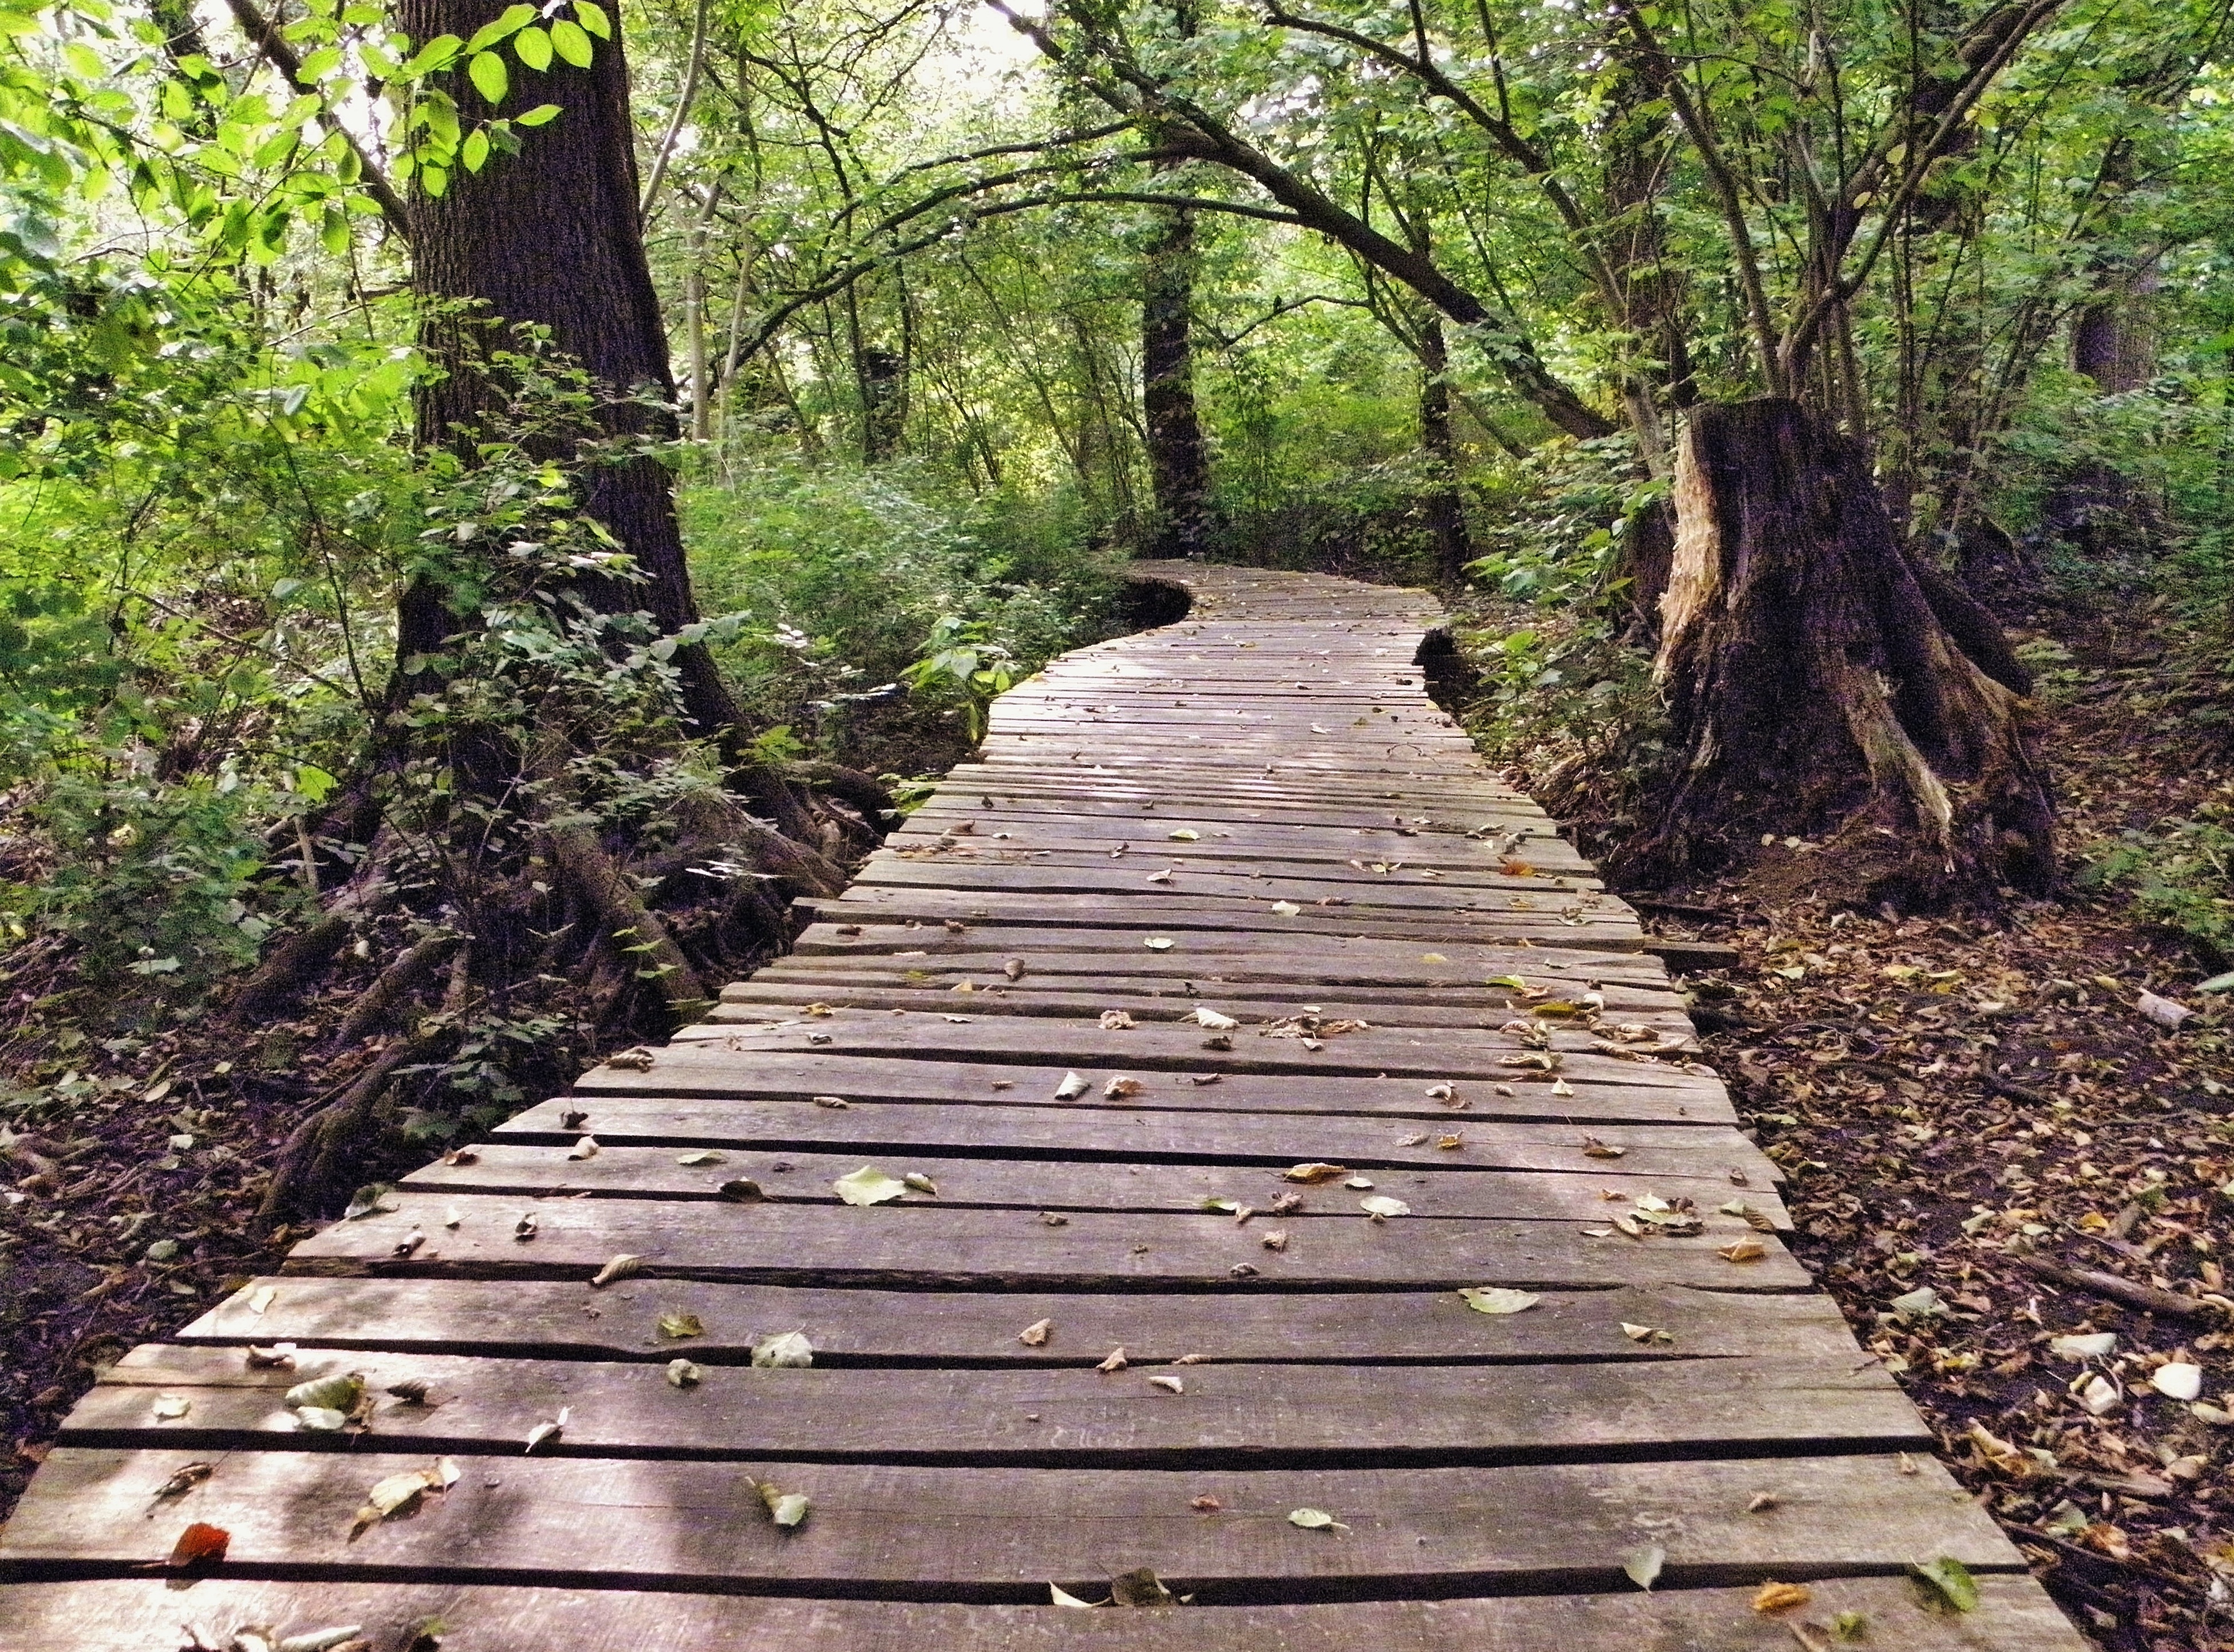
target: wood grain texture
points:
(144, 1615)
(996, 1534)
(552, 1319)
(919, 1245)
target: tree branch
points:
(275, 50)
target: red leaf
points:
(199, 1545)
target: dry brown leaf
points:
(1036, 1334)
(1780, 1597)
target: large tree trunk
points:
(1178, 469)
(1445, 505)
(1822, 686)
(550, 237)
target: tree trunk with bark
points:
(1443, 504)
(550, 238)
(1824, 686)
(1179, 466)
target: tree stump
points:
(1823, 685)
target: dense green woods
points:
(479, 693)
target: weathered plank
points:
(1177, 1044)
(144, 1615)
(1231, 1416)
(657, 1173)
(706, 1070)
(905, 1244)
(1002, 1534)
(548, 1319)
(992, 993)
(1166, 1135)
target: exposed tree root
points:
(322, 1157)
(411, 970)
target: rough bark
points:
(549, 236)
(1177, 464)
(1823, 687)
(1443, 504)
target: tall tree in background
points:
(550, 238)
(1179, 463)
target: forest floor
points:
(1958, 1101)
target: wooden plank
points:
(1149, 1136)
(999, 1184)
(1184, 1045)
(1569, 921)
(1230, 1416)
(706, 1070)
(1005, 860)
(145, 1614)
(550, 1319)
(1003, 1534)
(1143, 975)
(1065, 835)
(1241, 953)
(1104, 876)
(896, 1246)
(991, 993)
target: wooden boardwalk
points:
(1220, 908)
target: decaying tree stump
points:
(1823, 685)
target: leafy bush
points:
(2181, 875)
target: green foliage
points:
(2179, 873)
(851, 582)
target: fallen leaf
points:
(261, 1299)
(868, 1185)
(1164, 1379)
(1163, 876)
(623, 1266)
(920, 1183)
(1780, 1597)
(682, 1325)
(787, 1509)
(1116, 1362)
(832, 1102)
(1315, 1172)
(1285, 908)
(1496, 1299)
(1643, 1565)
(168, 1407)
(1761, 1502)
(2177, 1381)
(183, 1478)
(584, 1148)
(1013, 969)
(1203, 1016)
(2095, 1346)
(1063, 1597)
(338, 1392)
(1139, 1587)
(1054, 1219)
(524, 1228)
(549, 1430)
(1948, 1584)
(1036, 1334)
(1315, 1520)
(790, 1351)
(701, 1156)
(1744, 1250)
(199, 1545)
(1593, 1148)
(1205, 1504)
(1645, 1333)
(1157, 943)
(1117, 1089)
(1276, 1240)
(744, 1190)
(1184, 834)
(1115, 1021)
(1071, 1088)
(396, 1494)
(683, 1375)
(1380, 1206)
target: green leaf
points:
(1494, 1299)
(475, 150)
(868, 1185)
(334, 232)
(541, 114)
(570, 43)
(532, 48)
(1949, 1582)
(437, 54)
(435, 181)
(515, 19)
(593, 18)
(490, 77)
(2217, 983)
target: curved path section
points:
(1226, 1143)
